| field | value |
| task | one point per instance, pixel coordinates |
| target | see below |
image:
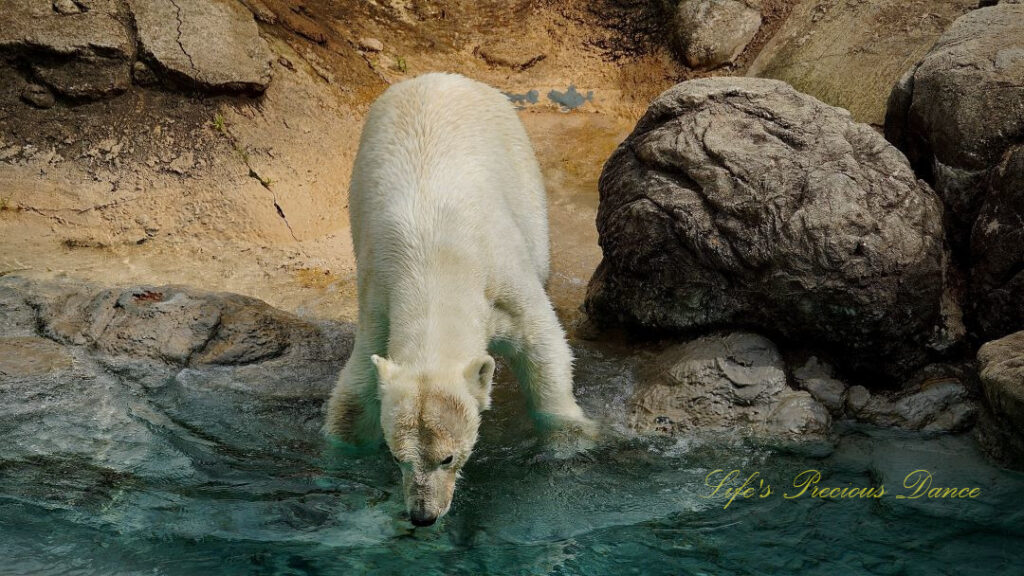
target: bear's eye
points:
(448, 460)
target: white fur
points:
(449, 224)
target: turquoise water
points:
(196, 479)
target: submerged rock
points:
(734, 382)
(709, 33)
(740, 201)
(208, 45)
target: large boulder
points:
(1001, 365)
(709, 33)
(849, 54)
(85, 55)
(959, 116)
(208, 45)
(957, 112)
(740, 201)
(724, 382)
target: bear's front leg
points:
(353, 411)
(542, 361)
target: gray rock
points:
(938, 406)
(709, 33)
(735, 381)
(818, 379)
(857, 398)
(208, 45)
(1001, 365)
(849, 54)
(38, 96)
(739, 201)
(800, 414)
(85, 56)
(997, 250)
(958, 111)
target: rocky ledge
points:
(95, 50)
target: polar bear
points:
(449, 225)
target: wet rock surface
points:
(740, 201)
(734, 382)
(709, 33)
(1001, 365)
(212, 45)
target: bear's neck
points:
(438, 320)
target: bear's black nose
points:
(422, 520)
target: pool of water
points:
(186, 478)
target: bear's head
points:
(430, 421)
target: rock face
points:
(849, 54)
(734, 382)
(1001, 363)
(211, 45)
(997, 251)
(739, 201)
(956, 112)
(959, 116)
(152, 335)
(83, 55)
(709, 33)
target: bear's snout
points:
(421, 518)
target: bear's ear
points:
(479, 374)
(385, 369)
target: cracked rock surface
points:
(211, 45)
(82, 56)
(742, 202)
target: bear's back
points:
(441, 153)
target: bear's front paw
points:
(570, 436)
